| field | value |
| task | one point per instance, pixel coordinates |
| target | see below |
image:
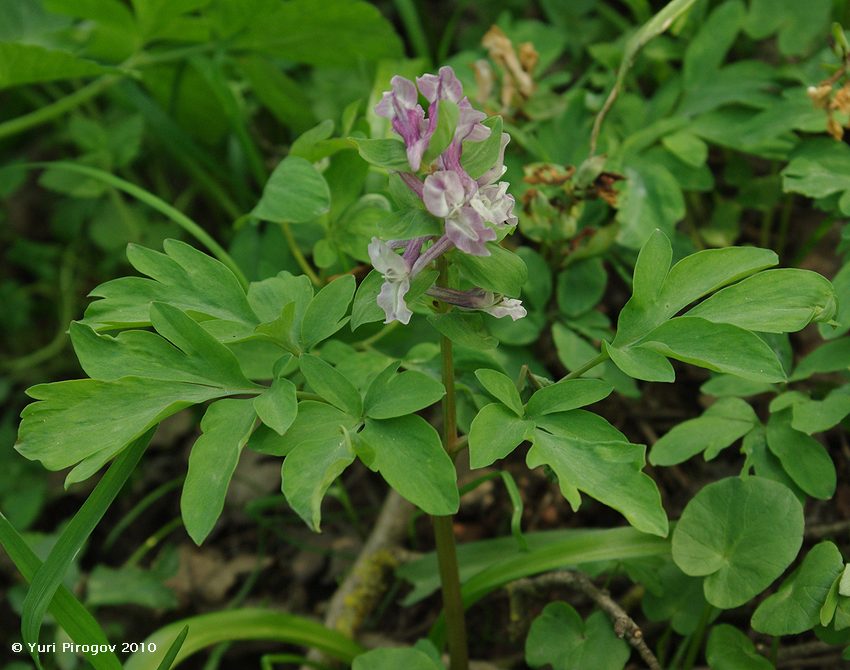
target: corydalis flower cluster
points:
(472, 209)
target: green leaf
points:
(651, 268)
(388, 154)
(309, 470)
(128, 585)
(590, 455)
(207, 630)
(830, 357)
(316, 420)
(740, 534)
(502, 388)
(32, 64)
(390, 394)
(393, 659)
(407, 452)
(724, 422)
(335, 33)
(717, 346)
(365, 308)
(174, 648)
(729, 649)
(90, 421)
(690, 279)
(75, 619)
(844, 582)
(326, 312)
(49, 576)
(226, 427)
(538, 286)
(687, 147)
(641, 363)
(466, 329)
(447, 118)
(805, 459)
(651, 198)
(277, 406)
(581, 286)
(795, 607)
(183, 277)
(679, 600)
(773, 301)
(296, 192)
(559, 638)
(821, 170)
(486, 565)
(816, 416)
(494, 433)
(331, 385)
(566, 395)
(502, 271)
(478, 157)
(799, 26)
(192, 355)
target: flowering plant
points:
(473, 211)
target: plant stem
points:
(443, 527)
(298, 256)
(698, 637)
(410, 19)
(53, 110)
(592, 363)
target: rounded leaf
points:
(740, 534)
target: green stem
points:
(35, 118)
(298, 256)
(697, 639)
(592, 363)
(443, 526)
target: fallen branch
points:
(366, 582)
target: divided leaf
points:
(183, 277)
(590, 455)
(331, 384)
(495, 432)
(394, 394)
(407, 451)
(309, 470)
(226, 427)
(724, 422)
(277, 406)
(296, 192)
(502, 388)
(566, 395)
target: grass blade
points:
(174, 649)
(206, 630)
(75, 619)
(49, 576)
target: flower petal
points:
(386, 261)
(466, 229)
(391, 300)
(443, 192)
(507, 307)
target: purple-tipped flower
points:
(478, 299)
(408, 118)
(471, 209)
